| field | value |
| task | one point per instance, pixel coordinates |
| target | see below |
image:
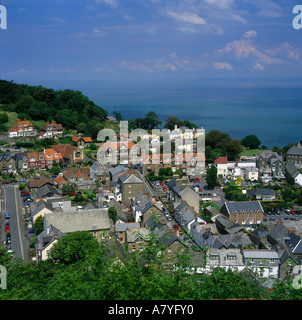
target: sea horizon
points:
(268, 108)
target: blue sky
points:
(149, 39)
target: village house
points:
(34, 184)
(45, 240)
(101, 172)
(95, 221)
(22, 128)
(39, 209)
(294, 154)
(82, 141)
(51, 130)
(120, 229)
(263, 263)
(262, 194)
(116, 152)
(292, 173)
(270, 164)
(71, 155)
(246, 213)
(21, 161)
(136, 238)
(130, 185)
(8, 163)
(224, 258)
(51, 156)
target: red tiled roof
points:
(221, 160)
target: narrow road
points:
(12, 204)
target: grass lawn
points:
(13, 116)
(250, 152)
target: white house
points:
(265, 263)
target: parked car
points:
(169, 218)
(23, 180)
(292, 212)
(7, 229)
(175, 226)
(7, 216)
(164, 188)
(197, 179)
(8, 238)
(287, 211)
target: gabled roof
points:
(37, 183)
(119, 168)
(46, 189)
(131, 178)
(243, 205)
(85, 139)
(221, 160)
(66, 150)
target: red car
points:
(197, 180)
(292, 212)
(164, 188)
(175, 226)
(200, 189)
(7, 229)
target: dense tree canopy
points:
(68, 107)
(80, 268)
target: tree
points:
(112, 214)
(74, 247)
(211, 177)
(171, 122)
(39, 225)
(3, 117)
(251, 142)
(118, 115)
(68, 189)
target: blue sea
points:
(269, 109)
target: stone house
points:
(264, 263)
(95, 221)
(136, 238)
(224, 258)
(246, 213)
(8, 163)
(130, 186)
(82, 141)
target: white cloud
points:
(220, 4)
(186, 17)
(111, 3)
(259, 67)
(250, 34)
(222, 65)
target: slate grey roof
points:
(243, 205)
(117, 169)
(295, 151)
(46, 189)
(129, 179)
(40, 205)
(278, 231)
(84, 220)
(262, 191)
(122, 227)
(292, 170)
(260, 254)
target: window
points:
(214, 256)
(231, 257)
